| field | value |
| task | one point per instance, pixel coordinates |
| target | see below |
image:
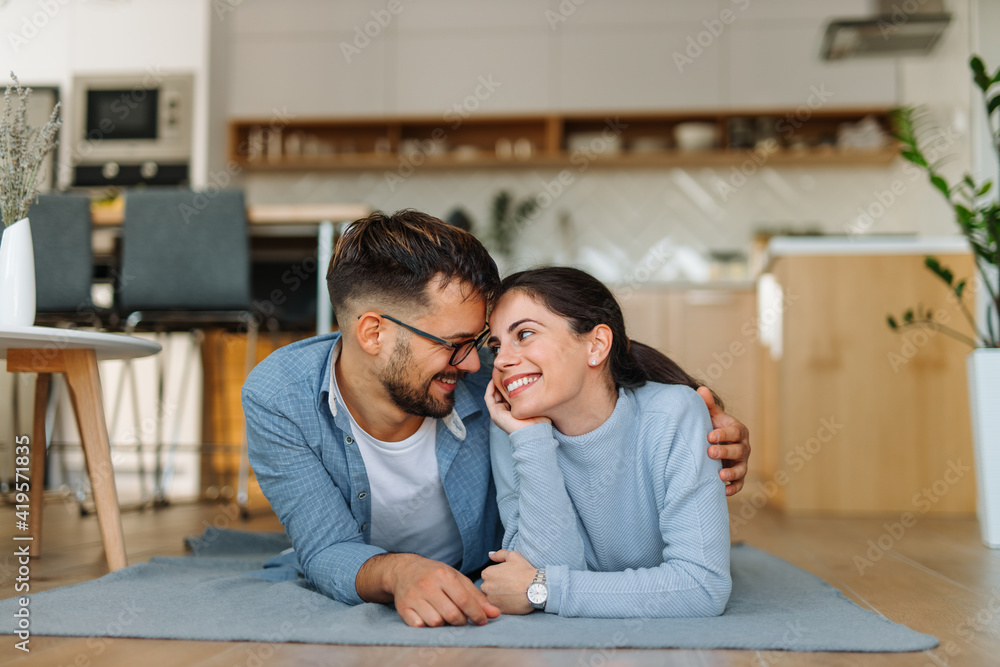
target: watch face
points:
(537, 593)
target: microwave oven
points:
(131, 129)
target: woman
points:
(610, 504)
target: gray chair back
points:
(64, 256)
(184, 250)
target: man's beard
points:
(409, 397)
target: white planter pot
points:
(984, 401)
(17, 276)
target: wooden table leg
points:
(38, 454)
(80, 367)
(85, 391)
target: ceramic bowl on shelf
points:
(523, 149)
(409, 147)
(504, 148)
(695, 136)
(596, 143)
(466, 152)
(649, 144)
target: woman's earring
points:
(593, 362)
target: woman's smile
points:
(516, 384)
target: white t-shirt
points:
(410, 512)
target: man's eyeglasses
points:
(459, 350)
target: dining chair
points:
(185, 267)
(61, 233)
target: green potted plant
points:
(976, 206)
(22, 151)
(506, 219)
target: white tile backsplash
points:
(619, 214)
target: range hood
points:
(897, 28)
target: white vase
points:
(17, 276)
(984, 401)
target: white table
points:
(45, 350)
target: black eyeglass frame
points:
(473, 343)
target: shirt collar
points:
(464, 405)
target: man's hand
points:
(426, 593)
(731, 444)
(506, 584)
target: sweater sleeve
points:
(694, 577)
(538, 516)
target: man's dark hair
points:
(391, 258)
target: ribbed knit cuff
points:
(536, 433)
(555, 578)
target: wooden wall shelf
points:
(785, 137)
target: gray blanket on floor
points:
(221, 593)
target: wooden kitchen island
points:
(858, 418)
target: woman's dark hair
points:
(585, 302)
(391, 257)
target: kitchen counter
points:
(785, 246)
(661, 285)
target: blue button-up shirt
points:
(312, 473)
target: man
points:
(372, 444)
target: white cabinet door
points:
(501, 71)
(812, 10)
(304, 75)
(632, 67)
(778, 64)
(310, 57)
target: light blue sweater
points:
(629, 520)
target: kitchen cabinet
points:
(772, 12)
(571, 56)
(794, 75)
(636, 67)
(268, 78)
(710, 331)
(223, 357)
(858, 418)
(472, 72)
(298, 57)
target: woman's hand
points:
(500, 412)
(506, 584)
(731, 444)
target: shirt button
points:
(363, 527)
(349, 440)
(362, 495)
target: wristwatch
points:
(538, 592)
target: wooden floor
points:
(935, 577)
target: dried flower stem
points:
(22, 151)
